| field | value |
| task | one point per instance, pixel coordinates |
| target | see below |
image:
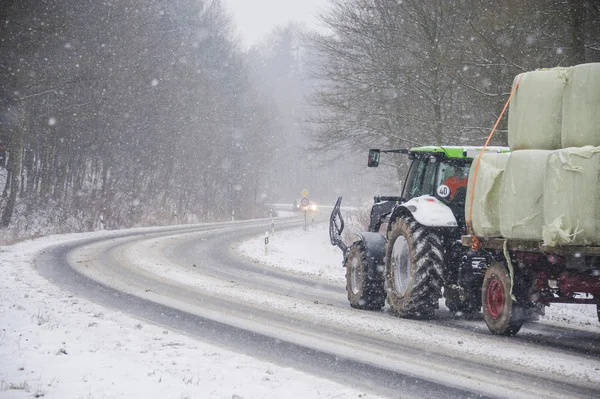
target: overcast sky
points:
(255, 18)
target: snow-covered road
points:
(292, 313)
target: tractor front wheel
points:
(364, 283)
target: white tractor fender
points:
(429, 211)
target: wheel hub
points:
(401, 265)
(495, 298)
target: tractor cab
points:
(439, 174)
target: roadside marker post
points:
(305, 202)
(305, 220)
(266, 241)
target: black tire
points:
(414, 269)
(468, 302)
(598, 311)
(501, 313)
(364, 284)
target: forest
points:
(126, 113)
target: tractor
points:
(419, 258)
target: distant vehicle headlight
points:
(313, 207)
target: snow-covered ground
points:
(314, 255)
(55, 345)
(303, 252)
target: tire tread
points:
(427, 253)
(371, 293)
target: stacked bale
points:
(535, 113)
(485, 213)
(572, 197)
(581, 107)
(521, 195)
(550, 185)
(572, 190)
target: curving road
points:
(187, 278)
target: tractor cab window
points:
(451, 181)
(447, 180)
(421, 179)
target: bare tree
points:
(139, 112)
(387, 72)
(436, 72)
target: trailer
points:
(523, 277)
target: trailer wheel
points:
(501, 314)
(598, 311)
(364, 286)
(414, 259)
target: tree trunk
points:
(14, 166)
(577, 26)
(7, 184)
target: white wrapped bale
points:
(581, 107)
(535, 111)
(485, 214)
(572, 197)
(521, 195)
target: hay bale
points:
(535, 111)
(521, 195)
(485, 214)
(572, 197)
(581, 107)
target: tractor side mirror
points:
(373, 161)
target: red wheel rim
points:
(495, 298)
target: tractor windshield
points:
(446, 180)
(420, 179)
(451, 181)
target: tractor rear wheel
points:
(501, 313)
(364, 283)
(414, 275)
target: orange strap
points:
(476, 242)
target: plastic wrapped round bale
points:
(485, 213)
(535, 111)
(581, 107)
(572, 197)
(521, 195)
